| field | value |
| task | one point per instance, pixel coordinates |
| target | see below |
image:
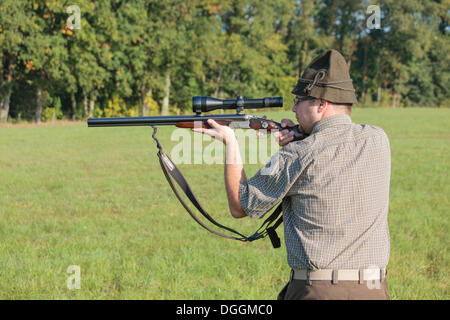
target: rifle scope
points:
(204, 104)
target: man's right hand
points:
(283, 137)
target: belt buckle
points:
(335, 277)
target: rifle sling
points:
(173, 173)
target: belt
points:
(360, 275)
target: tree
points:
(44, 52)
(171, 23)
(138, 52)
(13, 22)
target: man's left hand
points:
(217, 131)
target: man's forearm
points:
(234, 175)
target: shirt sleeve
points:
(270, 184)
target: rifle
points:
(207, 104)
(245, 121)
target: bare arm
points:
(234, 175)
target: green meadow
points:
(96, 198)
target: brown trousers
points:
(325, 290)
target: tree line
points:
(148, 57)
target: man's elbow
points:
(237, 213)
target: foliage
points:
(153, 105)
(171, 50)
(115, 107)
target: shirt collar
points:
(333, 121)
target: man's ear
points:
(322, 106)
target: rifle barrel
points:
(161, 121)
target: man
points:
(334, 186)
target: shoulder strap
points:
(173, 173)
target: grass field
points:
(97, 198)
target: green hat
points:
(327, 78)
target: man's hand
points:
(217, 131)
(283, 137)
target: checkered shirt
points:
(335, 191)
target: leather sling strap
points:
(173, 173)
